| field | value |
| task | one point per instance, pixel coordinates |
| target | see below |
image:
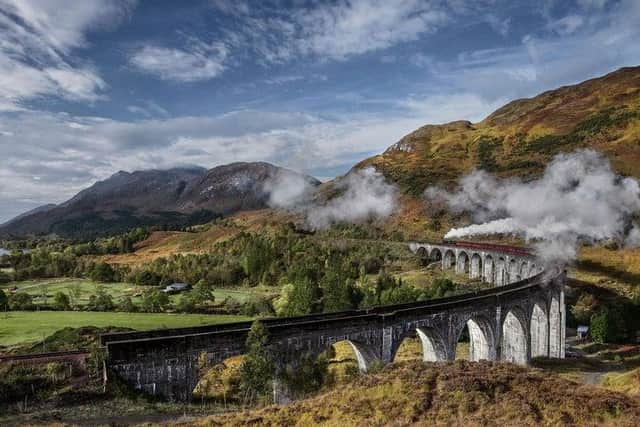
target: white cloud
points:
(36, 39)
(197, 61)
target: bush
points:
(4, 277)
(20, 301)
(127, 305)
(61, 301)
(257, 369)
(3, 300)
(155, 301)
(102, 272)
(101, 301)
(607, 326)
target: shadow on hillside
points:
(597, 267)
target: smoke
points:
(633, 238)
(288, 189)
(579, 198)
(363, 195)
(366, 195)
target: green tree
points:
(607, 326)
(126, 305)
(102, 272)
(257, 369)
(203, 292)
(61, 301)
(4, 277)
(584, 307)
(155, 301)
(20, 301)
(101, 301)
(3, 300)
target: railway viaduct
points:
(523, 316)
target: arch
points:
(476, 267)
(449, 260)
(501, 272)
(555, 328)
(524, 270)
(489, 267)
(364, 355)
(423, 256)
(435, 254)
(514, 341)
(462, 263)
(514, 271)
(481, 339)
(433, 346)
(539, 332)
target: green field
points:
(43, 290)
(18, 327)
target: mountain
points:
(521, 137)
(179, 196)
(42, 208)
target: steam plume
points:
(364, 194)
(579, 198)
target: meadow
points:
(21, 327)
(43, 290)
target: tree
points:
(4, 277)
(203, 292)
(257, 368)
(101, 301)
(607, 326)
(127, 305)
(155, 301)
(584, 307)
(102, 272)
(20, 301)
(61, 301)
(3, 300)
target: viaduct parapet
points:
(522, 317)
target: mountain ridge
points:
(177, 197)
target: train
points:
(488, 247)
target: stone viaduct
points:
(522, 317)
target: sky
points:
(91, 87)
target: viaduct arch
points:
(521, 317)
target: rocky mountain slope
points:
(177, 196)
(521, 137)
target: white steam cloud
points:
(364, 195)
(288, 189)
(579, 198)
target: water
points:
(3, 251)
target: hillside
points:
(457, 393)
(180, 196)
(521, 137)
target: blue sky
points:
(92, 87)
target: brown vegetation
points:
(457, 393)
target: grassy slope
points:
(459, 393)
(22, 327)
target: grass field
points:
(18, 327)
(43, 290)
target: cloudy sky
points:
(91, 87)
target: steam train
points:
(488, 247)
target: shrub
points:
(4, 277)
(256, 370)
(3, 300)
(61, 301)
(607, 326)
(102, 272)
(127, 305)
(101, 301)
(20, 301)
(154, 301)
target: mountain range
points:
(518, 139)
(174, 197)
